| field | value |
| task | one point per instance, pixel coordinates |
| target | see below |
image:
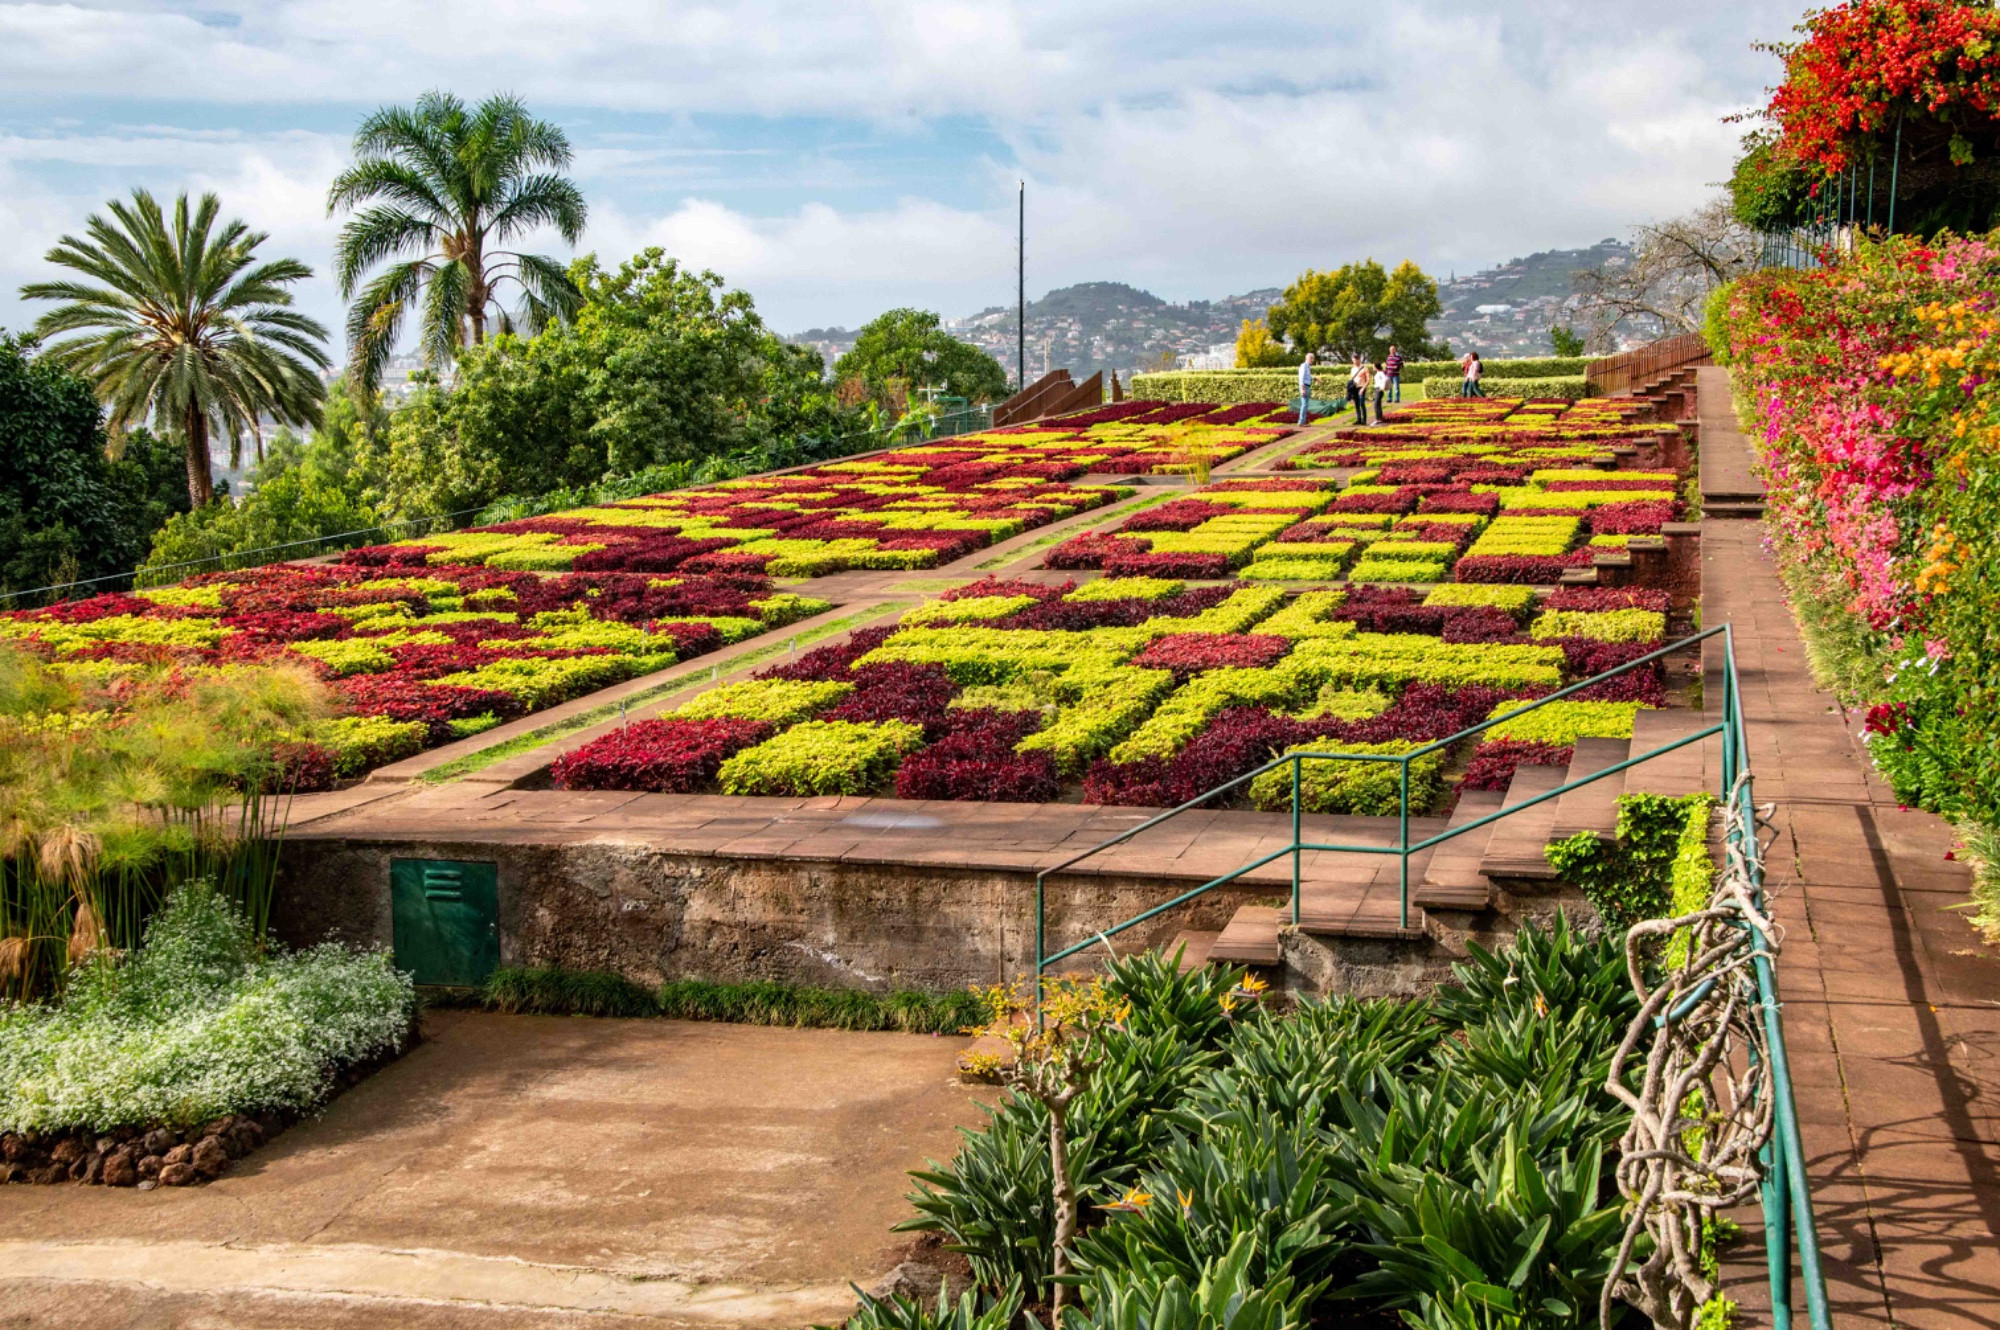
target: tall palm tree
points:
(184, 326)
(446, 183)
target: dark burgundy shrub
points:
(1402, 501)
(1595, 599)
(435, 704)
(1090, 551)
(1525, 569)
(303, 768)
(1168, 565)
(1584, 658)
(975, 760)
(692, 639)
(994, 586)
(894, 690)
(1190, 653)
(1637, 519)
(830, 662)
(1493, 763)
(1176, 515)
(1314, 532)
(1481, 623)
(1417, 473)
(661, 756)
(1235, 743)
(280, 626)
(643, 550)
(1427, 711)
(1487, 504)
(1078, 615)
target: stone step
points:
(1742, 512)
(1593, 807)
(1250, 937)
(1516, 848)
(1683, 771)
(1453, 881)
(1193, 947)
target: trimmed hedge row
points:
(1570, 388)
(1330, 381)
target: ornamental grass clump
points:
(200, 1021)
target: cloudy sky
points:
(838, 159)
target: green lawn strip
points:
(465, 766)
(1057, 537)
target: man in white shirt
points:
(1305, 388)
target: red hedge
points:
(1190, 653)
(1168, 565)
(662, 756)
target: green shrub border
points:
(1330, 381)
(550, 990)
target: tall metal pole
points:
(1021, 292)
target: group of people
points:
(1369, 384)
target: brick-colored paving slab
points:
(1891, 1015)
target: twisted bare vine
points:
(1704, 1107)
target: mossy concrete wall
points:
(654, 916)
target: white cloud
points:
(1197, 150)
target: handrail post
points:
(1041, 944)
(1297, 762)
(1403, 842)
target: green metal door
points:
(447, 919)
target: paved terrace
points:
(1890, 1011)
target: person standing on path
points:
(1393, 366)
(1472, 376)
(1305, 389)
(1465, 375)
(1381, 388)
(1359, 380)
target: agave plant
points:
(972, 1311)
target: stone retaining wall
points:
(654, 916)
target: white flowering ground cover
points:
(196, 1024)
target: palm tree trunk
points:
(201, 480)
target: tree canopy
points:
(1257, 349)
(447, 186)
(1358, 310)
(180, 324)
(1882, 101)
(68, 512)
(660, 364)
(906, 350)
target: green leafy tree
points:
(909, 350)
(1359, 309)
(1257, 349)
(1768, 191)
(182, 325)
(1566, 340)
(660, 365)
(445, 187)
(68, 512)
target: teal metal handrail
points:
(1786, 1196)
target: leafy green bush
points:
(972, 1311)
(779, 701)
(1563, 723)
(1660, 842)
(1356, 787)
(822, 757)
(549, 990)
(766, 1003)
(195, 1024)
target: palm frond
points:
(541, 200)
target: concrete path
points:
(1890, 997)
(527, 1171)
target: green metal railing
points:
(1787, 1200)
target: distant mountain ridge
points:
(1092, 326)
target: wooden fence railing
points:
(1629, 371)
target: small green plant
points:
(972, 1311)
(1631, 878)
(198, 1022)
(550, 990)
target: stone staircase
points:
(1478, 887)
